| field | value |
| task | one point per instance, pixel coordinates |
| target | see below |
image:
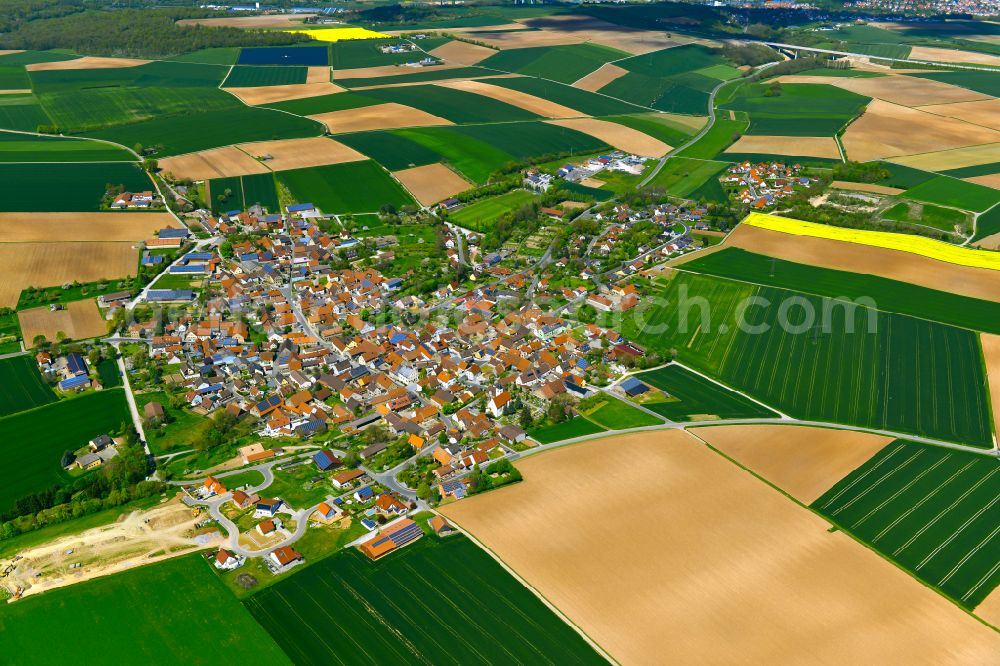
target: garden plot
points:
(215, 163)
(379, 116)
(78, 320)
(795, 146)
(432, 183)
(880, 133)
(619, 136)
(284, 154)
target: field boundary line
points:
(959, 500)
(955, 534)
(923, 500)
(562, 616)
(968, 556)
(902, 489)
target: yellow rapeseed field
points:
(926, 247)
(340, 34)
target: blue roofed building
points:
(169, 295)
(173, 233)
(325, 460)
(633, 387)
(300, 208)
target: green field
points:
(325, 103)
(10, 333)
(987, 83)
(660, 126)
(259, 188)
(575, 427)
(844, 364)
(970, 171)
(531, 139)
(583, 101)
(14, 77)
(948, 191)
(565, 64)
(80, 187)
(32, 57)
(225, 55)
(945, 219)
(888, 295)
(34, 441)
(931, 510)
(21, 385)
(211, 129)
(681, 176)
(609, 412)
(799, 110)
(721, 135)
(457, 106)
(25, 148)
(419, 76)
(248, 76)
(219, 201)
(988, 223)
(21, 112)
(904, 177)
(324, 187)
(352, 54)
(173, 612)
(690, 396)
(340, 611)
(481, 215)
(391, 149)
(183, 427)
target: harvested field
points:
(430, 82)
(108, 226)
(462, 53)
(379, 116)
(865, 187)
(432, 183)
(798, 146)
(989, 180)
(222, 162)
(983, 112)
(839, 255)
(661, 577)
(989, 609)
(952, 55)
(588, 28)
(805, 462)
(523, 39)
(537, 105)
(49, 264)
(600, 77)
(877, 133)
(318, 74)
(991, 356)
(618, 136)
(297, 153)
(86, 62)
(953, 159)
(260, 95)
(80, 320)
(903, 90)
(283, 21)
(592, 182)
(387, 70)
(24, 91)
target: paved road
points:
(132, 407)
(813, 49)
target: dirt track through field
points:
(432, 183)
(889, 130)
(804, 462)
(215, 163)
(618, 136)
(462, 53)
(798, 146)
(522, 100)
(80, 320)
(379, 116)
(991, 356)
(600, 77)
(984, 112)
(87, 62)
(54, 264)
(297, 153)
(655, 545)
(109, 226)
(838, 255)
(259, 95)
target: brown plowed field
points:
(462, 53)
(386, 70)
(989, 180)
(618, 136)
(80, 320)
(432, 183)
(953, 159)
(804, 462)
(865, 187)
(215, 163)
(984, 112)
(600, 77)
(297, 153)
(52, 264)
(952, 55)
(87, 62)
(660, 549)
(587, 28)
(991, 355)
(380, 116)
(801, 146)
(286, 21)
(522, 100)
(838, 255)
(271, 94)
(903, 90)
(880, 133)
(110, 226)
(320, 74)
